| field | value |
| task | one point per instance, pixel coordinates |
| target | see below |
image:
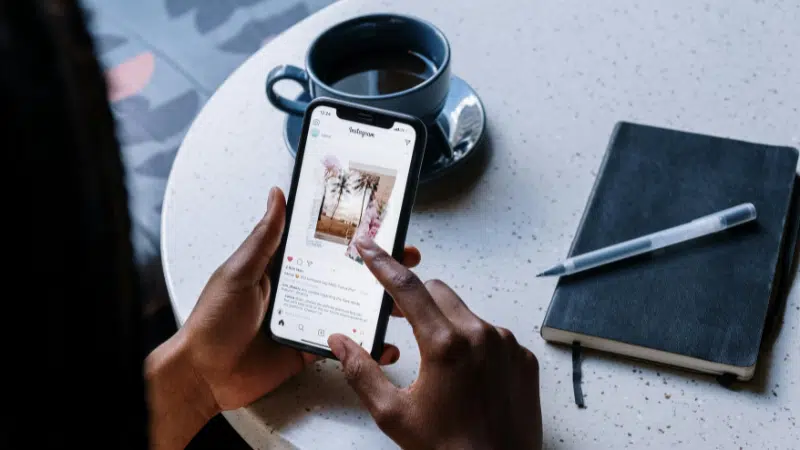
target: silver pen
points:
(702, 226)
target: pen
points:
(702, 226)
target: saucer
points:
(456, 137)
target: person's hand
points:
(477, 387)
(228, 351)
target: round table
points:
(554, 76)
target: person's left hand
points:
(223, 336)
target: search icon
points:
(300, 326)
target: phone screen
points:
(351, 183)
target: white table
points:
(555, 76)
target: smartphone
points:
(356, 173)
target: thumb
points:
(250, 260)
(364, 375)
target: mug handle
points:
(287, 73)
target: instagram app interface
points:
(351, 184)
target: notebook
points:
(702, 304)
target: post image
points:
(354, 202)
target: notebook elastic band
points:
(577, 375)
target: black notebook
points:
(702, 304)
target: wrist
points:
(170, 366)
(181, 402)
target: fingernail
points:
(269, 199)
(338, 347)
(366, 243)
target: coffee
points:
(385, 61)
(379, 73)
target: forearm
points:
(180, 403)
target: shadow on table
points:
(322, 392)
(453, 189)
(319, 391)
(672, 379)
(320, 396)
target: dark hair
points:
(72, 354)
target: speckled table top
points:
(555, 76)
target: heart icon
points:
(290, 258)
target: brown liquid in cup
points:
(380, 73)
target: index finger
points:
(407, 290)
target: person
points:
(477, 388)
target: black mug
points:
(386, 61)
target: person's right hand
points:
(477, 387)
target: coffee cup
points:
(385, 61)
